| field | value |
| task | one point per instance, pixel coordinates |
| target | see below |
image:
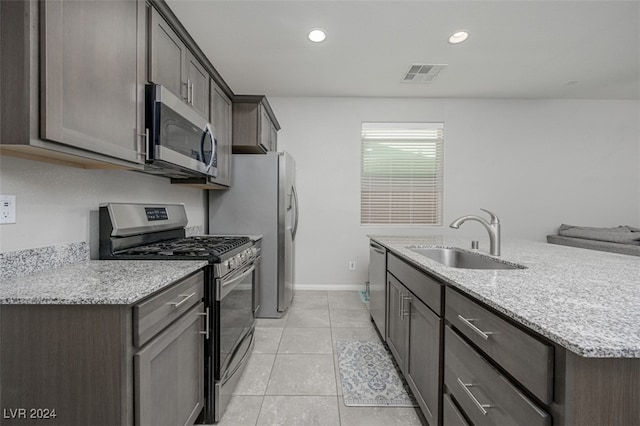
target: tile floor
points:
(292, 377)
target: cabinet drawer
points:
(527, 359)
(428, 290)
(487, 397)
(451, 416)
(154, 314)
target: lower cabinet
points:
(105, 364)
(169, 374)
(414, 336)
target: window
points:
(401, 174)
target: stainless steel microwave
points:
(181, 142)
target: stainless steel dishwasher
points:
(377, 286)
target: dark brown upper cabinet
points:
(73, 89)
(254, 125)
(172, 65)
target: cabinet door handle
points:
(185, 297)
(403, 312)
(144, 149)
(206, 323)
(193, 93)
(400, 303)
(469, 323)
(466, 387)
(188, 98)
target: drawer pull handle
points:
(466, 387)
(185, 298)
(484, 334)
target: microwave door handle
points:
(208, 130)
(295, 222)
(214, 148)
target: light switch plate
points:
(7, 209)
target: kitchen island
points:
(579, 309)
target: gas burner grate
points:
(198, 246)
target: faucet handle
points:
(494, 218)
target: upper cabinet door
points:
(198, 86)
(221, 108)
(93, 75)
(167, 56)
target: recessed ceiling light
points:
(317, 35)
(458, 37)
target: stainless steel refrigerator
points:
(262, 200)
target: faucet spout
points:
(493, 228)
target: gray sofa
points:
(622, 239)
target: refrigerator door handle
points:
(295, 223)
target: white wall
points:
(536, 163)
(54, 203)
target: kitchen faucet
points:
(493, 228)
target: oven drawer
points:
(486, 396)
(157, 312)
(527, 359)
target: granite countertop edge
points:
(96, 282)
(566, 294)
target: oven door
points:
(234, 296)
(180, 139)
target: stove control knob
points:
(232, 263)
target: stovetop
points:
(212, 248)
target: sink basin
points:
(458, 258)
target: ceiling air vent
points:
(422, 73)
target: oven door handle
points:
(226, 287)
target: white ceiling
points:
(517, 48)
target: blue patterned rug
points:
(369, 375)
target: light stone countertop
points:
(96, 282)
(587, 301)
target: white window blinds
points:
(401, 173)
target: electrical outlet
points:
(7, 209)
(352, 265)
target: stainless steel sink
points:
(458, 258)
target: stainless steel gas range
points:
(157, 232)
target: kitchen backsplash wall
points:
(58, 205)
(536, 163)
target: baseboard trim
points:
(329, 287)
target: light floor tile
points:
(310, 293)
(255, 378)
(297, 374)
(350, 318)
(336, 363)
(353, 333)
(377, 416)
(308, 318)
(345, 300)
(311, 300)
(272, 322)
(241, 411)
(267, 340)
(306, 341)
(299, 411)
